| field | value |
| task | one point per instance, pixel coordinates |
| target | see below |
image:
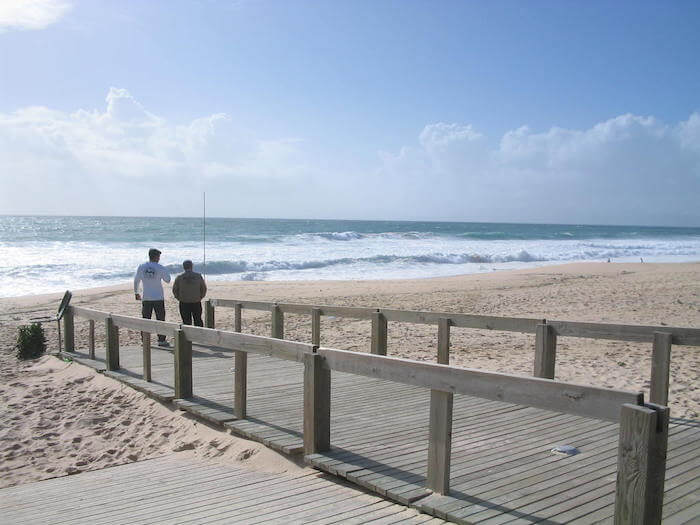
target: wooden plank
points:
(440, 441)
(545, 351)
(542, 393)
(87, 313)
(281, 349)
(237, 317)
(183, 365)
(316, 326)
(277, 322)
(620, 332)
(240, 384)
(379, 334)
(112, 344)
(660, 368)
(637, 333)
(301, 309)
(249, 305)
(209, 320)
(488, 322)
(69, 330)
(91, 338)
(317, 405)
(146, 325)
(641, 464)
(443, 353)
(346, 311)
(146, 347)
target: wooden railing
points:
(546, 332)
(643, 427)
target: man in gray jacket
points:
(189, 288)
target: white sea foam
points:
(31, 267)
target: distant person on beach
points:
(151, 274)
(189, 288)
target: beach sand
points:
(58, 418)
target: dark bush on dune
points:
(31, 342)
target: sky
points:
(504, 111)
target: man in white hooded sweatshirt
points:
(151, 274)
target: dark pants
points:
(190, 311)
(147, 308)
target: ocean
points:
(40, 254)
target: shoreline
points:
(604, 268)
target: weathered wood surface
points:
(145, 325)
(637, 333)
(620, 332)
(248, 343)
(660, 368)
(87, 313)
(68, 330)
(501, 468)
(173, 489)
(545, 351)
(641, 461)
(578, 399)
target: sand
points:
(58, 418)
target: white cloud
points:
(127, 160)
(628, 169)
(31, 14)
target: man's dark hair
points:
(187, 265)
(153, 254)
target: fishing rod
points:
(204, 233)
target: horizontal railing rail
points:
(151, 326)
(279, 348)
(87, 313)
(621, 332)
(588, 401)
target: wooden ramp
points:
(502, 470)
(172, 489)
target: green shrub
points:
(31, 342)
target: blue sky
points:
(450, 110)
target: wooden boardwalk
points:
(502, 470)
(173, 489)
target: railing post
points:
(146, 345)
(237, 317)
(545, 351)
(209, 314)
(69, 330)
(317, 405)
(112, 344)
(379, 333)
(277, 322)
(440, 442)
(183, 366)
(240, 374)
(660, 368)
(316, 326)
(641, 464)
(91, 338)
(443, 355)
